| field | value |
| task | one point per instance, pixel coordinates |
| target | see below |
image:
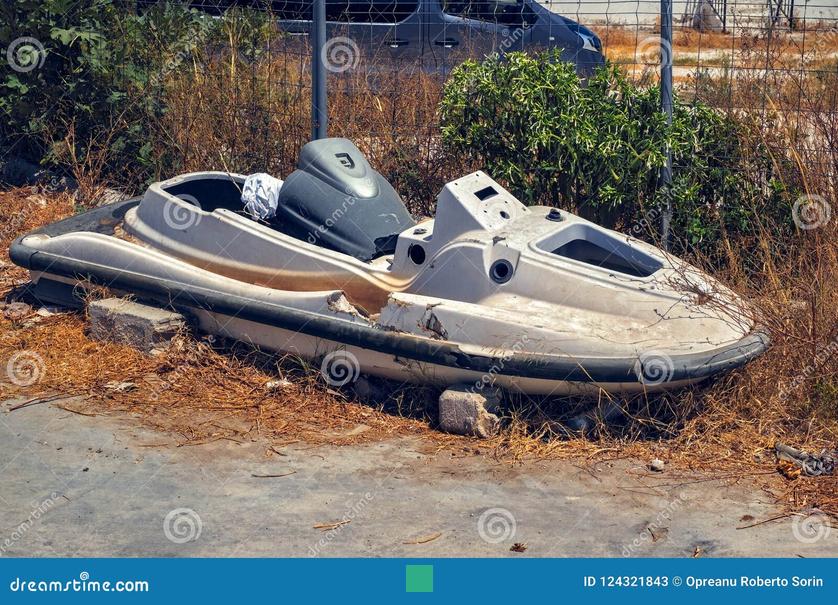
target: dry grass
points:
(231, 114)
(637, 49)
(194, 392)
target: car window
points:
(507, 12)
(352, 11)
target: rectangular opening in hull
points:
(587, 252)
(210, 193)
(585, 244)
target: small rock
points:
(120, 387)
(16, 311)
(109, 196)
(50, 310)
(656, 465)
(465, 412)
(357, 430)
(279, 385)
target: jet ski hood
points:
(335, 199)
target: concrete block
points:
(140, 326)
(465, 411)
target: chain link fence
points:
(125, 92)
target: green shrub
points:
(597, 147)
(99, 78)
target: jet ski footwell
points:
(82, 249)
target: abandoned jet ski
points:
(489, 291)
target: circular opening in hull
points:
(416, 253)
(501, 271)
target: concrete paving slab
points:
(74, 485)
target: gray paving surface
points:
(104, 486)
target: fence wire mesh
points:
(125, 92)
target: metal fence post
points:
(319, 100)
(666, 108)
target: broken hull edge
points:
(516, 375)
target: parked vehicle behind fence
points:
(434, 34)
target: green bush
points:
(101, 66)
(597, 147)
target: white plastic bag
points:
(260, 195)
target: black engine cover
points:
(336, 200)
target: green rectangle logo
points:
(419, 578)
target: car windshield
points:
(507, 12)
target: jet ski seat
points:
(336, 200)
(333, 199)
